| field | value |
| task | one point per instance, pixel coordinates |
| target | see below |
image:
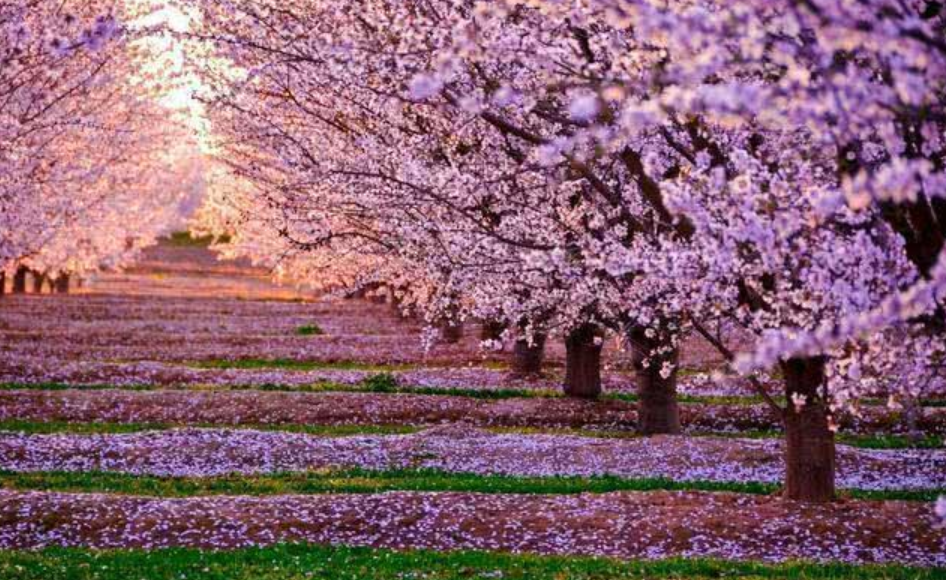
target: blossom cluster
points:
(640, 169)
(90, 160)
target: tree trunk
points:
(451, 331)
(19, 280)
(3, 283)
(912, 415)
(39, 280)
(583, 363)
(62, 284)
(377, 294)
(657, 410)
(492, 330)
(356, 294)
(527, 358)
(809, 442)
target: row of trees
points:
(86, 148)
(643, 169)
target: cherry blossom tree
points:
(819, 149)
(458, 200)
(85, 168)
(614, 166)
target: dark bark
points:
(583, 363)
(451, 332)
(912, 416)
(376, 293)
(3, 283)
(39, 280)
(527, 358)
(492, 330)
(19, 280)
(657, 410)
(809, 441)
(920, 222)
(917, 225)
(356, 294)
(62, 284)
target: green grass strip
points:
(879, 441)
(312, 562)
(366, 481)
(378, 384)
(885, 441)
(314, 365)
(298, 365)
(858, 440)
(383, 382)
(189, 240)
(369, 385)
(42, 427)
(310, 330)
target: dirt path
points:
(629, 525)
(181, 304)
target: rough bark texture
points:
(527, 358)
(583, 363)
(809, 442)
(657, 410)
(62, 284)
(39, 280)
(19, 280)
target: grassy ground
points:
(310, 330)
(860, 440)
(878, 441)
(379, 383)
(40, 427)
(297, 365)
(304, 562)
(365, 481)
(384, 382)
(188, 240)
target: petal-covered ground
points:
(250, 407)
(29, 369)
(184, 341)
(630, 525)
(180, 304)
(210, 452)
